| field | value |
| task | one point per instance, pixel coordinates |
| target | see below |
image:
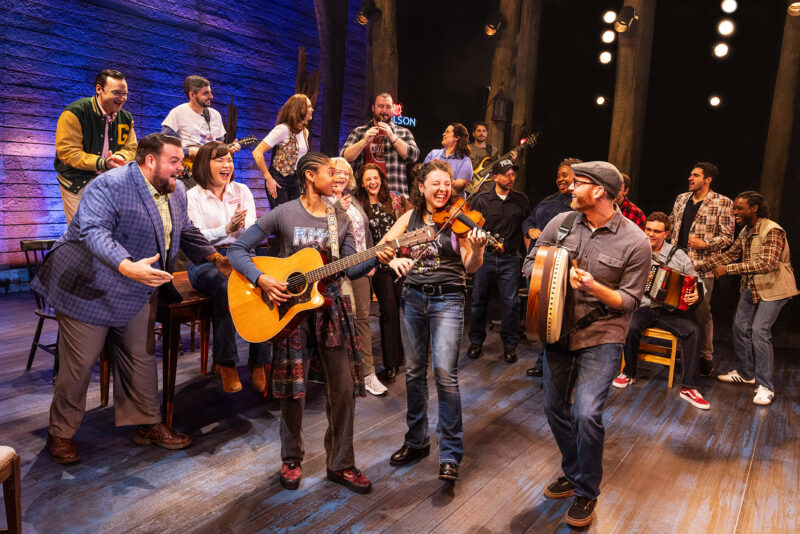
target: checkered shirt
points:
(713, 224)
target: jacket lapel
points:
(152, 211)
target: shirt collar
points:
(155, 194)
(103, 112)
(612, 224)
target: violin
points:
(462, 219)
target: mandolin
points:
(258, 319)
(485, 166)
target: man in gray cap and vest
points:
(613, 261)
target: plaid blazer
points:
(116, 219)
(713, 224)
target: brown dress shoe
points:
(62, 450)
(162, 436)
(258, 378)
(230, 379)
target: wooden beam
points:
(782, 117)
(332, 29)
(630, 94)
(502, 63)
(382, 58)
(524, 82)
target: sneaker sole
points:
(619, 386)
(290, 484)
(695, 404)
(374, 392)
(349, 485)
(563, 495)
(580, 522)
(762, 403)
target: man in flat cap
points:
(503, 209)
(613, 262)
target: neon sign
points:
(399, 119)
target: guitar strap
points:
(333, 232)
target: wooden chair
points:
(12, 490)
(662, 352)
(35, 251)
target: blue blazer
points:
(117, 218)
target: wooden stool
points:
(12, 490)
(195, 306)
(655, 353)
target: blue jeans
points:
(503, 271)
(207, 279)
(752, 337)
(577, 425)
(433, 323)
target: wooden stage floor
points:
(669, 467)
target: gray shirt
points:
(679, 262)
(617, 255)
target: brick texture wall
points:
(51, 50)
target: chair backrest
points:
(35, 250)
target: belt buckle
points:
(428, 289)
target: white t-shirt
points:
(210, 214)
(280, 136)
(192, 128)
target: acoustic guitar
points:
(258, 319)
(189, 160)
(481, 170)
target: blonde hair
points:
(351, 182)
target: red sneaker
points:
(694, 398)
(623, 381)
(352, 479)
(290, 475)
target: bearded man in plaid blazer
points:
(101, 276)
(702, 224)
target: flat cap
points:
(602, 173)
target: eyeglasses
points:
(577, 183)
(119, 93)
(652, 231)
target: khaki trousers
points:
(136, 400)
(70, 201)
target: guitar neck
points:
(342, 264)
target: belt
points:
(429, 289)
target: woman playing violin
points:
(432, 319)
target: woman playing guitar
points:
(302, 223)
(433, 319)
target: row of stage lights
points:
(725, 28)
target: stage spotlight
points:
(601, 101)
(366, 11)
(493, 23)
(608, 36)
(714, 101)
(627, 16)
(794, 9)
(605, 57)
(726, 27)
(721, 49)
(609, 17)
(729, 6)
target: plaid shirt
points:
(395, 165)
(632, 212)
(162, 204)
(713, 224)
(767, 261)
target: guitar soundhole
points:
(296, 284)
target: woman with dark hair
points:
(289, 139)
(455, 152)
(382, 210)
(221, 209)
(330, 331)
(432, 319)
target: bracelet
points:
(216, 257)
(395, 140)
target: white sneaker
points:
(623, 381)
(735, 377)
(763, 396)
(374, 386)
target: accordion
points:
(669, 287)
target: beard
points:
(382, 117)
(163, 182)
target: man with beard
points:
(702, 224)
(611, 261)
(100, 278)
(383, 143)
(481, 149)
(195, 122)
(93, 135)
(503, 208)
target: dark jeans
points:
(289, 188)
(207, 279)
(388, 293)
(683, 327)
(577, 425)
(503, 272)
(752, 337)
(339, 406)
(433, 324)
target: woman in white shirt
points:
(288, 142)
(222, 209)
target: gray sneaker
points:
(374, 386)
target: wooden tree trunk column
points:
(382, 58)
(501, 68)
(630, 94)
(332, 28)
(782, 117)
